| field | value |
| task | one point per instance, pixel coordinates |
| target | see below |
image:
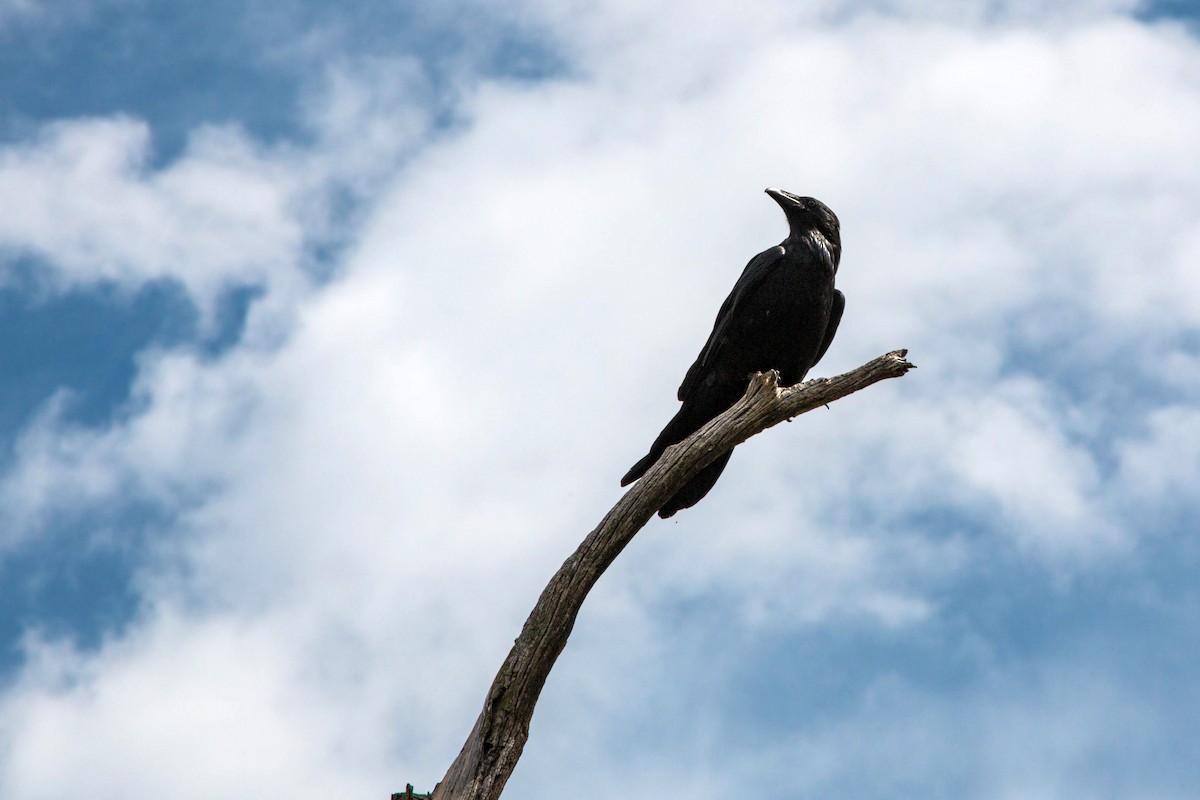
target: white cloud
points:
(1010, 449)
(379, 487)
(82, 198)
(1161, 467)
(197, 708)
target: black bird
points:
(782, 314)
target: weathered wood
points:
(498, 736)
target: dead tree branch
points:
(495, 743)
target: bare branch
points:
(498, 737)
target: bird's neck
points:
(810, 238)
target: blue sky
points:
(331, 331)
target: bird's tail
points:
(639, 469)
(691, 417)
(678, 429)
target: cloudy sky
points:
(329, 330)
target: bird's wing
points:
(835, 316)
(752, 275)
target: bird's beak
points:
(779, 195)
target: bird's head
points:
(807, 213)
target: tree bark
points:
(498, 737)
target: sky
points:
(329, 331)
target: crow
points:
(782, 314)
